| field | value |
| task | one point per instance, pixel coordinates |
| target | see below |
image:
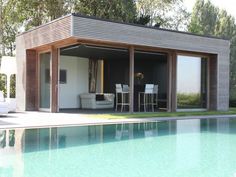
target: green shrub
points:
(13, 86)
(190, 100)
(3, 79)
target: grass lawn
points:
(161, 114)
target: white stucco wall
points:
(77, 81)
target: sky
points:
(228, 5)
(188, 74)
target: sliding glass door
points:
(191, 82)
(44, 80)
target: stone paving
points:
(42, 119)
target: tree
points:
(1, 28)
(169, 14)
(20, 15)
(33, 13)
(177, 18)
(225, 26)
(121, 10)
(204, 18)
(207, 19)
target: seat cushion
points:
(99, 97)
(103, 102)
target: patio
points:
(44, 119)
(112, 67)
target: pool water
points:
(183, 148)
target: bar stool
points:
(155, 97)
(147, 97)
(122, 96)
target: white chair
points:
(147, 97)
(122, 96)
(3, 104)
(155, 97)
(121, 131)
(125, 88)
(118, 95)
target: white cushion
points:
(1, 96)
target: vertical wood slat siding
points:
(87, 28)
(131, 78)
(31, 80)
(54, 80)
(213, 83)
(55, 31)
(174, 82)
(169, 81)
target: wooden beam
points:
(213, 85)
(54, 80)
(174, 83)
(31, 80)
(169, 81)
(37, 85)
(131, 78)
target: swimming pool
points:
(182, 148)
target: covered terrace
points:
(53, 64)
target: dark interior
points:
(152, 66)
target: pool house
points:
(71, 59)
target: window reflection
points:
(45, 80)
(191, 82)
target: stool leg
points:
(152, 96)
(157, 101)
(122, 102)
(116, 101)
(144, 102)
(139, 102)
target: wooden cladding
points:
(99, 30)
(70, 30)
(31, 80)
(52, 32)
(54, 80)
(213, 102)
(131, 79)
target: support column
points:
(212, 75)
(169, 81)
(31, 80)
(54, 80)
(131, 79)
(174, 83)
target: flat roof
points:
(144, 26)
(125, 23)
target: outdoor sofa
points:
(97, 101)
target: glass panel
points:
(191, 82)
(45, 80)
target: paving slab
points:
(43, 119)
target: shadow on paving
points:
(6, 123)
(88, 111)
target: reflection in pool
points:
(181, 148)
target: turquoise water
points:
(184, 148)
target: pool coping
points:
(28, 120)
